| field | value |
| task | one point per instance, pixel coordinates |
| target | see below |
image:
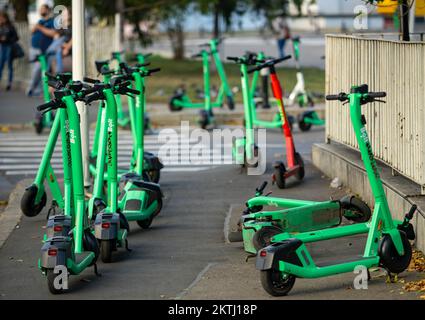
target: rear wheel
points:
(263, 237)
(299, 161)
(51, 276)
(154, 175)
(106, 248)
(146, 223)
(276, 283)
(279, 175)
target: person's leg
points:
(2, 60)
(281, 46)
(35, 72)
(54, 51)
(10, 66)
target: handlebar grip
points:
(412, 210)
(140, 65)
(147, 55)
(154, 70)
(232, 58)
(377, 94)
(278, 60)
(262, 187)
(90, 80)
(332, 97)
(92, 97)
(47, 105)
(256, 68)
(132, 91)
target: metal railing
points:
(99, 45)
(397, 128)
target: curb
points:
(11, 216)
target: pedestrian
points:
(8, 37)
(281, 29)
(39, 43)
(61, 44)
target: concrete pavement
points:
(184, 255)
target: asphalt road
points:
(184, 254)
(312, 48)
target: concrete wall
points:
(337, 160)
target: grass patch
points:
(161, 86)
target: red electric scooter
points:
(295, 163)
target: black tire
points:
(299, 161)
(50, 283)
(106, 248)
(90, 243)
(389, 257)
(358, 207)
(159, 207)
(28, 205)
(275, 284)
(38, 123)
(262, 238)
(302, 124)
(230, 103)
(154, 175)
(279, 175)
(204, 119)
(146, 223)
(172, 106)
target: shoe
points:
(8, 87)
(29, 93)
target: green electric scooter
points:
(387, 242)
(78, 249)
(43, 120)
(181, 100)
(245, 151)
(34, 198)
(292, 216)
(152, 165)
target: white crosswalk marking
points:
(21, 152)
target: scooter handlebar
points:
(341, 97)
(150, 71)
(412, 210)
(269, 63)
(90, 80)
(48, 105)
(381, 94)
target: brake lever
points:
(268, 193)
(380, 101)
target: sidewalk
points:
(17, 112)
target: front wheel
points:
(172, 103)
(389, 257)
(276, 283)
(263, 237)
(230, 103)
(28, 205)
(302, 124)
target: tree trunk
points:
(404, 20)
(176, 35)
(21, 10)
(216, 30)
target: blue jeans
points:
(281, 47)
(6, 58)
(55, 51)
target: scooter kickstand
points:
(126, 246)
(250, 256)
(95, 270)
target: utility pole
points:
(78, 72)
(119, 23)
